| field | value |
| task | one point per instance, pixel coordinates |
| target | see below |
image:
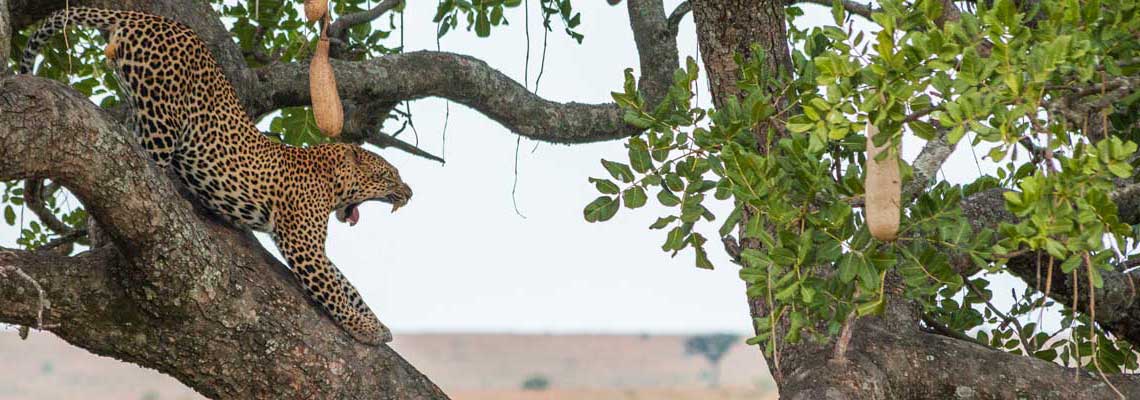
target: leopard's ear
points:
(352, 155)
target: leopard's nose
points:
(406, 191)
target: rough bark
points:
(729, 27)
(5, 37)
(175, 291)
(885, 363)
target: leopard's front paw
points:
(371, 332)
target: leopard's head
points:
(364, 176)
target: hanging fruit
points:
(327, 109)
(316, 9)
(883, 188)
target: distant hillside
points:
(467, 366)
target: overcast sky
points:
(459, 258)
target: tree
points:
(1046, 88)
(712, 348)
(536, 382)
(841, 315)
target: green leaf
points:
(1047, 355)
(673, 182)
(870, 308)
(702, 260)
(837, 11)
(675, 240)
(662, 222)
(9, 215)
(482, 25)
(807, 294)
(601, 209)
(1120, 169)
(637, 119)
(639, 155)
(605, 186)
(618, 170)
(800, 127)
(496, 15)
(849, 266)
(1070, 264)
(922, 129)
(786, 294)
(667, 198)
(956, 134)
(634, 197)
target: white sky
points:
(458, 257)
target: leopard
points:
(187, 117)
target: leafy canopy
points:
(994, 80)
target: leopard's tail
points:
(82, 16)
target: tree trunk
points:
(729, 27)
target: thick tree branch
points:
(457, 77)
(656, 48)
(1089, 99)
(42, 304)
(934, 153)
(176, 291)
(75, 288)
(472, 82)
(909, 364)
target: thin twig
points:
(941, 329)
(674, 20)
(64, 239)
(1006, 319)
(862, 10)
(34, 200)
(347, 21)
(384, 141)
(844, 339)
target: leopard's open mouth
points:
(351, 212)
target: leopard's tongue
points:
(354, 216)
